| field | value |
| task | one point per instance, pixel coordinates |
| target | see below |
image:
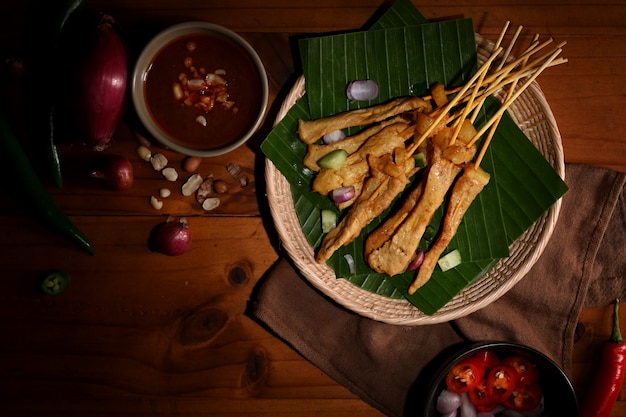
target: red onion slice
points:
(334, 136)
(448, 401)
(343, 194)
(417, 261)
(467, 408)
(351, 265)
(362, 90)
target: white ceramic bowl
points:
(217, 131)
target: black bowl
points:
(559, 395)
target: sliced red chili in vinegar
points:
(524, 398)
(480, 397)
(528, 372)
(465, 375)
(487, 358)
(501, 382)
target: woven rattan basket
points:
(533, 115)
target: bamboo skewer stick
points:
(458, 124)
(452, 103)
(505, 57)
(493, 85)
(484, 84)
(514, 96)
(512, 86)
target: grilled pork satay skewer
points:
(457, 154)
(355, 168)
(384, 232)
(452, 103)
(310, 131)
(391, 248)
(465, 190)
(387, 181)
(351, 144)
(394, 255)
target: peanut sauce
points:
(197, 126)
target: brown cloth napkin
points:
(582, 265)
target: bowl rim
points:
(149, 51)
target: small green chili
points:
(55, 283)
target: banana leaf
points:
(523, 184)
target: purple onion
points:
(351, 265)
(448, 401)
(343, 194)
(103, 78)
(467, 408)
(362, 90)
(417, 261)
(334, 136)
(172, 237)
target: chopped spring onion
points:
(329, 220)
(450, 260)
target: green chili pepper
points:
(29, 190)
(55, 283)
(54, 18)
(52, 153)
(64, 12)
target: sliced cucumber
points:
(334, 159)
(450, 260)
(329, 220)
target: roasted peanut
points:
(192, 184)
(158, 161)
(220, 186)
(170, 174)
(155, 203)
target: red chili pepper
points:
(487, 358)
(528, 373)
(607, 383)
(501, 382)
(465, 375)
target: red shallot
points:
(343, 194)
(334, 136)
(467, 408)
(417, 261)
(362, 90)
(448, 401)
(103, 78)
(115, 171)
(172, 237)
(351, 264)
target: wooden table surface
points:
(138, 333)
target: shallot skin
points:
(103, 79)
